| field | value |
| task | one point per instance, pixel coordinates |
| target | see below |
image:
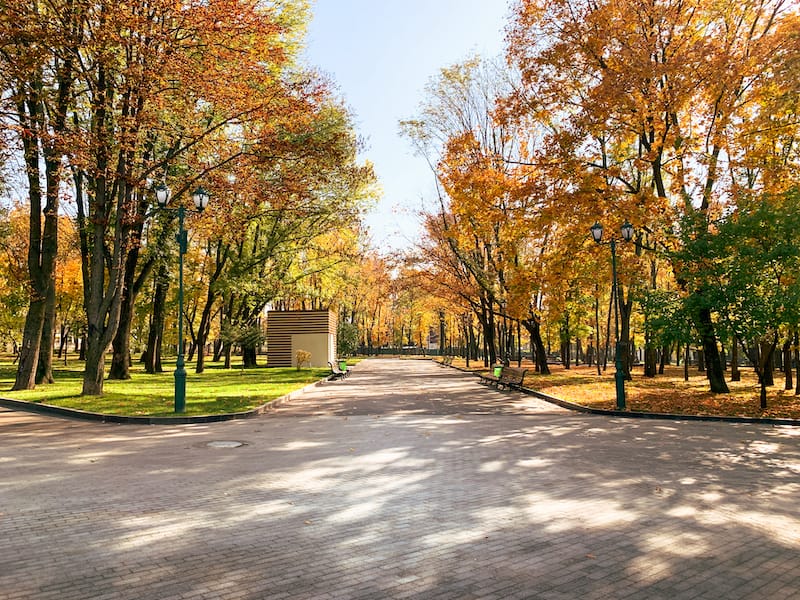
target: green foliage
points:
(667, 319)
(760, 291)
(245, 336)
(346, 338)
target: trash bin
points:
(343, 365)
(498, 369)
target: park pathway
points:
(412, 387)
(406, 480)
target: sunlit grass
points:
(217, 391)
(667, 393)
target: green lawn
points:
(217, 391)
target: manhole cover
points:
(225, 444)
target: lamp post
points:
(619, 375)
(200, 198)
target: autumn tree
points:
(70, 317)
(365, 295)
(14, 294)
(38, 70)
(647, 106)
(484, 208)
(170, 94)
(752, 274)
(297, 212)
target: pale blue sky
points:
(381, 54)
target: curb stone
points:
(633, 414)
(72, 413)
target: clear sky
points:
(381, 54)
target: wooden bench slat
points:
(336, 372)
(511, 377)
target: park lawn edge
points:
(152, 396)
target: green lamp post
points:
(200, 198)
(619, 373)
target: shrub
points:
(302, 357)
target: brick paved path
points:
(396, 483)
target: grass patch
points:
(667, 393)
(217, 391)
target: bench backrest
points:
(514, 374)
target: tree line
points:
(102, 102)
(678, 118)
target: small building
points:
(311, 330)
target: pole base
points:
(180, 386)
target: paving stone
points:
(404, 480)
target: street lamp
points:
(619, 376)
(200, 198)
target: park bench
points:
(447, 361)
(510, 377)
(336, 371)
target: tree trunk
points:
(132, 285)
(63, 345)
(686, 363)
(764, 368)
(152, 363)
(797, 361)
(611, 305)
(442, 333)
(95, 366)
(651, 360)
(761, 356)
(787, 363)
(625, 309)
(121, 345)
(44, 367)
(665, 358)
(489, 343)
(533, 325)
(767, 351)
(43, 125)
(226, 351)
(206, 316)
(249, 356)
(37, 278)
(106, 231)
(202, 334)
(473, 341)
(714, 370)
(736, 374)
(597, 324)
(31, 343)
